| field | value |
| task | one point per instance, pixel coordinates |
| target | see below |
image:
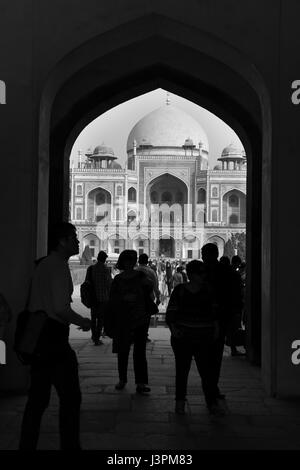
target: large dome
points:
(167, 127)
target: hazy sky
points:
(114, 126)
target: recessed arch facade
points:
(98, 204)
(234, 207)
(92, 241)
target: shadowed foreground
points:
(124, 420)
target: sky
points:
(113, 127)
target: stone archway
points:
(234, 207)
(167, 195)
(167, 247)
(93, 242)
(98, 205)
(240, 99)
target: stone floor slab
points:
(123, 420)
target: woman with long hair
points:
(129, 319)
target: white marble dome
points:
(167, 126)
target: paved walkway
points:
(114, 420)
(122, 420)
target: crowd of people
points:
(203, 306)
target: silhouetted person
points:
(129, 319)
(228, 297)
(163, 287)
(57, 365)
(152, 276)
(177, 277)
(182, 271)
(191, 317)
(99, 276)
(224, 260)
(236, 322)
(5, 315)
(153, 265)
(242, 272)
(236, 262)
(169, 277)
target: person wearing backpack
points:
(129, 318)
(227, 289)
(56, 363)
(100, 279)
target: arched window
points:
(214, 215)
(233, 219)
(233, 200)
(78, 213)
(131, 195)
(93, 243)
(166, 197)
(201, 196)
(154, 197)
(201, 217)
(214, 192)
(79, 190)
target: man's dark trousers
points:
(63, 374)
(98, 312)
(139, 340)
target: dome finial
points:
(168, 99)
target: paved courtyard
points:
(125, 421)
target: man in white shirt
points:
(57, 365)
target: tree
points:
(229, 249)
(238, 243)
(242, 246)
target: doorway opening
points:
(167, 247)
(240, 99)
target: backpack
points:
(87, 292)
(29, 327)
(34, 333)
